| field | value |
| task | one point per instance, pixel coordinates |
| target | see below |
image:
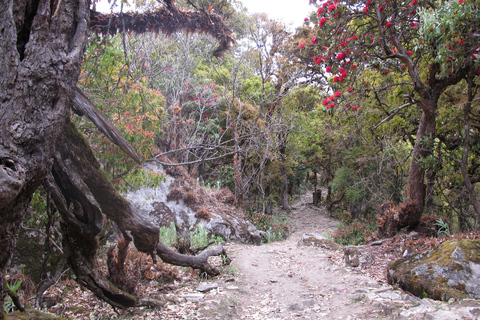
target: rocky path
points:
(280, 280)
(285, 280)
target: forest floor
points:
(279, 280)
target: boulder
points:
(451, 270)
(181, 200)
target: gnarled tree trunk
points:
(82, 192)
(41, 47)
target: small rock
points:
(193, 297)
(207, 287)
(357, 296)
(232, 288)
(408, 297)
(390, 295)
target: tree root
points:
(82, 192)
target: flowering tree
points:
(419, 47)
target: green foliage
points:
(125, 98)
(8, 304)
(137, 178)
(199, 236)
(38, 204)
(444, 228)
(168, 235)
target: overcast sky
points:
(289, 11)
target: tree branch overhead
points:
(167, 20)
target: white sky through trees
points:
(289, 11)
(286, 10)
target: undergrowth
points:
(199, 236)
(354, 232)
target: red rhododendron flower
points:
(388, 24)
(349, 89)
(340, 56)
(319, 60)
(301, 46)
(332, 7)
(223, 131)
(354, 66)
(322, 22)
(337, 94)
(354, 108)
(461, 1)
(329, 69)
(343, 43)
(387, 72)
(320, 10)
(365, 10)
(325, 102)
(355, 37)
(306, 19)
(314, 39)
(332, 105)
(409, 52)
(347, 106)
(381, 8)
(461, 42)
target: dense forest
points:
(373, 106)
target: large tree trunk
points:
(82, 192)
(422, 149)
(41, 48)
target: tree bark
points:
(41, 48)
(40, 53)
(82, 192)
(416, 183)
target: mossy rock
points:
(32, 315)
(451, 270)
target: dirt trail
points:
(285, 280)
